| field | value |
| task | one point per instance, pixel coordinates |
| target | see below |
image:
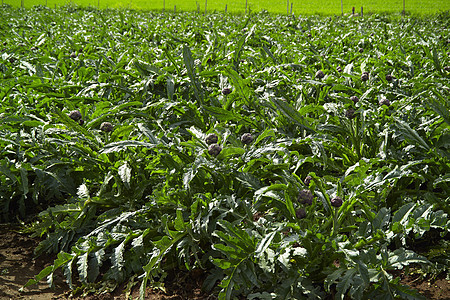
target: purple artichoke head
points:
(106, 127)
(384, 101)
(214, 149)
(336, 202)
(305, 197)
(300, 213)
(307, 180)
(365, 76)
(75, 115)
(389, 77)
(354, 99)
(246, 138)
(211, 139)
(320, 74)
(350, 113)
(226, 91)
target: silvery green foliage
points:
(147, 194)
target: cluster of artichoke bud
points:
(76, 116)
(305, 197)
(350, 113)
(214, 149)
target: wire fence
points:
(245, 6)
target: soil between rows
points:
(18, 265)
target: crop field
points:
(324, 7)
(281, 157)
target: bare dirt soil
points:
(18, 265)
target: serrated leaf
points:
(125, 174)
(82, 263)
(291, 113)
(83, 191)
(265, 243)
(345, 283)
(222, 263)
(401, 257)
(411, 135)
(123, 145)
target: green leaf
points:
(265, 243)
(401, 257)
(230, 151)
(62, 259)
(411, 135)
(125, 174)
(240, 234)
(345, 283)
(189, 63)
(291, 113)
(123, 145)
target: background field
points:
(299, 7)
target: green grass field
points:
(327, 7)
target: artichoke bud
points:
(384, 101)
(246, 138)
(320, 74)
(211, 139)
(350, 113)
(75, 115)
(354, 99)
(307, 180)
(305, 197)
(336, 202)
(389, 77)
(226, 91)
(214, 149)
(365, 76)
(106, 127)
(300, 213)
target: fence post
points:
(342, 7)
(287, 8)
(404, 12)
(226, 8)
(206, 4)
(246, 3)
(98, 4)
(174, 8)
(164, 5)
(21, 3)
(361, 11)
(291, 7)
